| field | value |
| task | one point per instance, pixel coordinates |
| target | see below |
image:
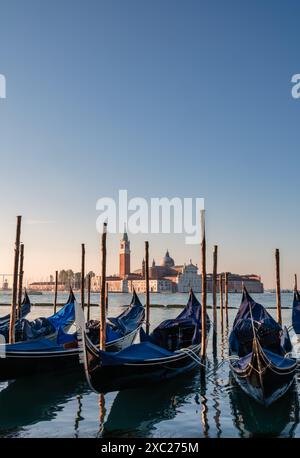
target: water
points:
(64, 406)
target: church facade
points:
(167, 277)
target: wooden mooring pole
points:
(147, 287)
(82, 275)
(102, 293)
(21, 275)
(214, 288)
(106, 296)
(55, 291)
(295, 284)
(221, 300)
(89, 297)
(226, 297)
(278, 294)
(203, 297)
(15, 283)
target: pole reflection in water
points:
(102, 413)
(204, 410)
(79, 417)
(216, 403)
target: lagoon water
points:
(56, 405)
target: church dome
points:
(167, 261)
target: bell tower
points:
(124, 255)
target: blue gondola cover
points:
(296, 312)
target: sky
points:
(163, 98)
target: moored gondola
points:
(32, 330)
(259, 353)
(60, 354)
(170, 350)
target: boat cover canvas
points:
(127, 321)
(36, 345)
(268, 331)
(65, 316)
(181, 331)
(135, 353)
(277, 360)
(93, 333)
(42, 327)
(296, 312)
(259, 313)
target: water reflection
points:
(138, 412)
(31, 400)
(204, 410)
(253, 420)
(79, 416)
(216, 401)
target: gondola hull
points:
(107, 378)
(262, 380)
(17, 364)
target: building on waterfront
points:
(167, 277)
(46, 286)
(252, 282)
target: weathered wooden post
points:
(278, 294)
(221, 300)
(226, 298)
(295, 284)
(15, 283)
(203, 317)
(102, 293)
(89, 297)
(82, 275)
(106, 296)
(55, 291)
(214, 291)
(147, 287)
(21, 275)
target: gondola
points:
(259, 353)
(25, 309)
(26, 330)
(170, 350)
(296, 313)
(61, 354)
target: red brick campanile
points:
(124, 256)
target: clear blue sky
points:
(163, 98)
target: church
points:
(163, 277)
(167, 277)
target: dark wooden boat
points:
(259, 353)
(62, 354)
(172, 349)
